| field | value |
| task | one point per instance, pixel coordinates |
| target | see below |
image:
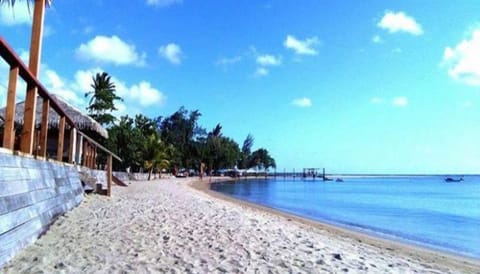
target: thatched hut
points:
(82, 121)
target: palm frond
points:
(11, 3)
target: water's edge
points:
(352, 227)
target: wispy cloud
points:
(463, 60)
(303, 102)
(225, 61)
(377, 39)
(172, 52)
(261, 72)
(302, 47)
(376, 100)
(268, 60)
(401, 101)
(163, 3)
(103, 49)
(400, 22)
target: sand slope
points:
(166, 226)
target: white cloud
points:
(463, 60)
(377, 39)
(399, 22)
(302, 102)
(112, 49)
(268, 60)
(401, 101)
(376, 100)
(172, 52)
(146, 94)
(142, 93)
(302, 47)
(225, 61)
(20, 14)
(261, 72)
(397, 50)
(56, 85)
(163, 3)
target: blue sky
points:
(353, 86)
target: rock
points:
(337, 256)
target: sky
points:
(352, 86)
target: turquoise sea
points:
(420, 210)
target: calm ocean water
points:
(423, 210)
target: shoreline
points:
(456, 261)
(177, 226)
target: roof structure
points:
(81, 120)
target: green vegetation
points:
(168, 143)
(102, 100)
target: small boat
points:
(451, 180)
(339, 180)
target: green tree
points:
(102, 100)
(220, 152)
(181, 130)
(126, 140)
(246, 152)
(156, 154)
(262, 160)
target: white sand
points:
(166, 226)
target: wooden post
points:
(90, 155)
(94, 163)
(90, 146)
(36, 38)
(44, 128)
(79, 149)
(61, 138)
(109, 175)
(87, 154)
(71, 146)
(84, 154)
(26, 145)
(9, 129)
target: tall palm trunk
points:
(34, 67)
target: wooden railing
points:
(82, 149)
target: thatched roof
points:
(81, 120)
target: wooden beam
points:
(61, 138)
(109, 175)
(9, 128)
(44, 128)
(71, 146)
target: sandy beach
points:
(169, 226)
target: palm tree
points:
(102, 103)
(155, 154)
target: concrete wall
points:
(32, 194)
